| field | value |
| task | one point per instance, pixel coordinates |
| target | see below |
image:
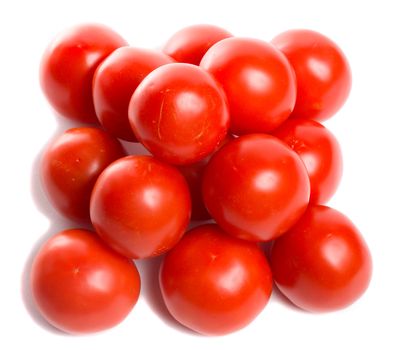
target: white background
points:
(367, 128)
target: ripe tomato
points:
(114, 82)
(179, 113)
(140, 206)
(80, 285)
(191, 43)
(322, 263)
(70, 166)
(258, 80)
(256, 187)
(320, 152)
(214, 283)
(68, 65)
(322, 72)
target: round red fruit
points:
(322, 263)
(320, 152)
(82, 286)
(190, 44)
(258, 81)
(140, 206)
(213, 283)
(256, 187)
(68, 66)
(322, 72)
(70, 167)
(179, 113)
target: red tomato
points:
(68, 65)
(256, 187)
(322, 71)
(114, 82)
(214, 283)
(70, 166)
(179, 113)
(322, 263)
(258, 80)
(80, 285)
(320, 152)
(191, 43)
(140, 206)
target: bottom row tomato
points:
(211, 282)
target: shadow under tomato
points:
(151, 292)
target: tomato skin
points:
(320, 152)
(208, 266)
(258, 81)
(70, 166)
(140, 206)
(190, 44)
(256, 187)
(322, 264)
(68, 65)
(82, 286)
(322, 71)
(114, 82)
(179, 113)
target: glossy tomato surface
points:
(114, 82)
(322, 263)
(213, 283)
(256, 187)
(322, 71)
(258, 80)
(191, 43)
(179, 113)
(140, 206)
(320, 152)
(68, 66)
(80, 285)
(70, 166)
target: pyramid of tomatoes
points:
(238, 157)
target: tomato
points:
(322, 71)
(191, 43)
(256, 187)
(213, 283)
(322, 263)
(68, 65)
(320, 152)
(80, 285)
(258, 80)
(70, 166)
(179, 113)
(140, 206)
(114, 82)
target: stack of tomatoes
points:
(233, 128)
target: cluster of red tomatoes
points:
(232, 124)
